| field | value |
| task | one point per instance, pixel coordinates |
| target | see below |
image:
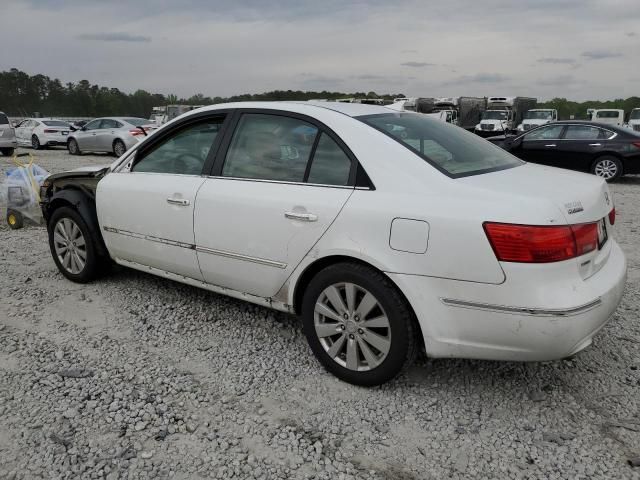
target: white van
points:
(612, 117)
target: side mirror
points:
(84, 129)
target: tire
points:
(35, 143)
(72, 146)
(61, 233)
(15, 220)
(607, 167)
(395, 342)
(8, 152)
(119, 148)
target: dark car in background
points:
(604, 150)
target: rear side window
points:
(583, 132)
(450, 149)
(270, 147)
(3, 119)
(184, 152)
(551, 132)
(330, 165)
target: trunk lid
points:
(580, 197)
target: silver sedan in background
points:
(108, 134)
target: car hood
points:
(580, 197)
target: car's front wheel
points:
(7, 152)
(607, 167)
(358, 324)
(72, 247)
(72, 146)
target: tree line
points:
(22, 94)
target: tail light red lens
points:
(636, 144)
(541, 244)
(612, 216)
(136, 132)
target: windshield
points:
(494, 115)
(539, 115)
(635, 115)
(138, 122)
(55, 123)
(450, 149)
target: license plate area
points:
(602, 233)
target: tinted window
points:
(184, 152)
(608, 114)
(3, 119)
(108, 123)
(270, 147)
(551, 132)
(55, 123)
(330, 165)
(93, 124)
(583, 132)
(450, 148)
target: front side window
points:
(184, 152)
(330, 165)
(270, 147)
(93, 125)
(451, 149)
(551, 132)
(583, 132)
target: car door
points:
(106, 134)
(279, 182)
(86, 136)
(540, 145)
(146, 210)
(580, 145)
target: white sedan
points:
(385, 231)
(42, 132)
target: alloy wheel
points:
(119, 149)
(35, 142)
(70, 245)
(352, 327)
(606, 169)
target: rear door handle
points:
(178, 201)
(304, 217)
(595, 144)
(551, 145)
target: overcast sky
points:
(579, 49)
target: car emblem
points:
(606, 197)
(573, 207)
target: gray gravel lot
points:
(135, 377)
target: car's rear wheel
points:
(607, 167)
(72, 146)
(119, 148)
(7, 152)
(35, 142)
(358, 324)
(72, 247)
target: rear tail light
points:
(541, 244)
(136, 132)
(48, 130)
(612, 216)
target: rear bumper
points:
(546, 320)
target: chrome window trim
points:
(285, 182)
(614, 134)
(533, 311)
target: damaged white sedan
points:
(385, 231)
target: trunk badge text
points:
(573, 207)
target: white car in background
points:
(42, 132)
(385, 231)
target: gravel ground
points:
(135, 377)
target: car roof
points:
(349, 109)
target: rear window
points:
(608, 114)
(3, 119)
(138, 122)
(55, 123)
(450, 149)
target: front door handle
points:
(551, 145)
(304, 217)
(178, 201)
(595, 144)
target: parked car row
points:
(109, 134)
